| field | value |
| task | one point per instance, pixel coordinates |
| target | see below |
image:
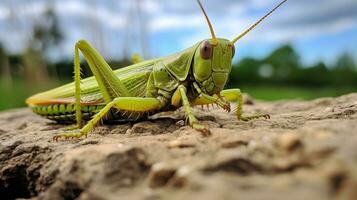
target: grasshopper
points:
(194, 76)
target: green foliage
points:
(46, 32)
(277, 76)
(273, 92)
(283, 67)
(15, 96)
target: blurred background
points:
(306, 49)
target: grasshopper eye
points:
(206, 50)
(233, 50)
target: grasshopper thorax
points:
(212, 64)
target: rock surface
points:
(307, 150)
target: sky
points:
(318, 29)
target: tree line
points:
(283, 67)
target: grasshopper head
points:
(213, 59)
(212, 64)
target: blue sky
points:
(319, 29)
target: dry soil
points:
(307, 150)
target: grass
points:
(15, 97)
(271, 93)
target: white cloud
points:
(295, 20)
(4, 13)
(172, 22)
(151, 7)
(283, 26)
(103, 15)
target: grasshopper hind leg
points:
(72, 133)
(128, 104)
(109, 84)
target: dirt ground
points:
(307, 150)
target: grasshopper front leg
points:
(180, 96)
(136, 58)
(204, 99)
(223, 99)
(236, 95)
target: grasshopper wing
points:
(179, 64)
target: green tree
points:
(5, 69)
(285, 62)
(245, 71)
(346, 62)
(314, 76)
(344, 72)
(46, 34)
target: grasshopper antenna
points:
(256, 23)
(214, 39)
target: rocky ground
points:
(307, 150)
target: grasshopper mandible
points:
(195, 76)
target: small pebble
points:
(180, 144)
(289, 141)
(180, 123)
(160, 174)
(235, 143)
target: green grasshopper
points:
(195, 76)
